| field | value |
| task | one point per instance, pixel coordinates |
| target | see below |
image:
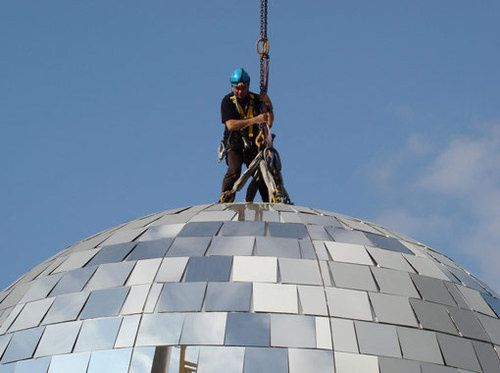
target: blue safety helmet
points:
(239, 76)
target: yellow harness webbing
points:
(248, 114)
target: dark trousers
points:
(235, 159)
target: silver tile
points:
(66, 307)
(377, 339)
(349, 363)
(102, 303)
(228, 296)
(144, 272)
(32, 314)
(142, 360)
(468, 324)
(128, 331)
(40, 288)
(189, 246)
(299, 271)
(476, 301)
(288, 230)
(221, 359)
(204, 329)
(4, 341)
(22, 345)
(74, 363)
(123, 235)
(395, 282)
(242, 245)
(489, 360)
(348, 236)
(209, 268)
(321, 252)
(159, 232)
(152, 299)
(200, 229)
(110, 275)
(317, 232)
(433, 290)
(293, 331)
(433, 316)
(348, 303)
(348, 253)
(458, 352)
(352, 276)
(307, 249)
(323, 333)
(301, 361)
(389, 365)
(76, 260)
(434, 368)
(247, 329)
(312, 300)
(389, 259)
(243, 228)
(279, 247)
(344, 335)
(419, 345)
(217, 216)
(254, 269)
(387, 243)
(393, 309)
(136, 298)
(150, 249)
(275, 298)
(160, 329)
(426, 267)
(492, 326)
(58, 339)
(73, 281)
(33, 366)
(111, 254)
(266, 360)
(116, 361)
(172, 269)
(182, 297)
(98, 334)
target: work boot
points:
(226, 197)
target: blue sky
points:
(387, 111)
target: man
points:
(241, 112)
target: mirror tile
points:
(247, 329)
(223, 245)
(172, 269)
(257, 269)
(204, 329)
(312, 300)
(98, 334)
(160, 329)
(301, 361)
(58, 339)
(221, 359)
(102, 303)
(348, 253)
(348, 363)
(144, 272)
(116, 361)
(343, 335)
(293, 331)
(110, 275)
(189, 246)
(393, 309)
(32, 314)
(458, 352)
(351, 304)
(186, 297)
(74, 363)
(111, 254)
(228, 296)
(352, 276)
(73, 281)
(208, 268)
(200, 229)
(150, 249)
(299, 271)
(419, 345)
(266, 360)
(278, 247)
(243, 228)
(377, 339)
(22, 345)
(275, 298)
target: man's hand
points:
(262, 118)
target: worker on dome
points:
(242, 111)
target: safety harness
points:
(249, 112)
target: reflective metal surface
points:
(249, 288)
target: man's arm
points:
(239, 124)
(267, 106)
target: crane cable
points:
(263, 48)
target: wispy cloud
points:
(464, 176)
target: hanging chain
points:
(263, 48)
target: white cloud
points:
(464, 176)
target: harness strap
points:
(248, 114)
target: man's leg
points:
(254, 184)
(234, 162)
